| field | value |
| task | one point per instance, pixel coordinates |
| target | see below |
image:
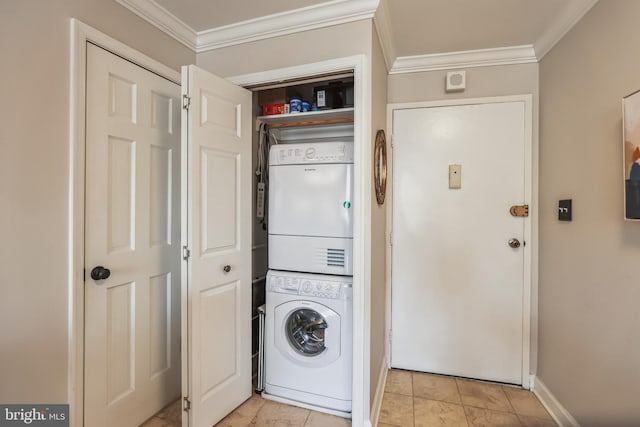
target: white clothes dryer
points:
(308, 340)
(310, 207)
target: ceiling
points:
(490, 31)
(438, 26)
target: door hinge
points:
(391, 238)
(391, 142)
(186, 404)
(186, 253)
(186, 101)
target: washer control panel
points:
(311, 153)
(319, 288)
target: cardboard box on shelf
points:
(272, 109)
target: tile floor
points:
(411, 399)
(255, 412)
(170, 416)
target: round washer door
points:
(307, 333)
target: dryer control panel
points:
(311, 153)
(310, 287)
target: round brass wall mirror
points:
(380, 166)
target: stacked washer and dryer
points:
(308, 334)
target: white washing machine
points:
(308, 340)
(310, 207)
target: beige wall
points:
(481, 82)
(589, 347)
(290, 50)
(34, 175)
(378, 221)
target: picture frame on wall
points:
(631, 155)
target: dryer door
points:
(307, 333)
(311, 200)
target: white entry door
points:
(132, 229)
(457, 285)
(216, 230)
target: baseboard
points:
(561, 416)
(532, 382)
(377, 398)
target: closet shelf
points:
(312, 118)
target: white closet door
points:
(217, 231)
(132, 318)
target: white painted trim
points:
(94, 36)
(384, 30)
(363, 159)
(559, 413)
(185, 193)
(295, 72)
(532, 382)
(304, 19)
(377, 398)
(80, 35)
(572, 13)
(294, 21)
(77, 78)
(464, 59)
(340, 12)
(362, 213)
(164, 20)
(389, 227)
(530, 242)
(535, 242)
(530, 223)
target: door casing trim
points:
(363, 159)
(80, 35)
(530, 284)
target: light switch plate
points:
(564, 210)
(455, 176)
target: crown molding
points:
(160, 17)
(464, 59)
(384, 29)
(309, 18)
(569, 17)
(344, 11)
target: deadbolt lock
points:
(519, 210)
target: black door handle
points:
(100, 273)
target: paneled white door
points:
(216, 326)
(132, 317)
(457, 285)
